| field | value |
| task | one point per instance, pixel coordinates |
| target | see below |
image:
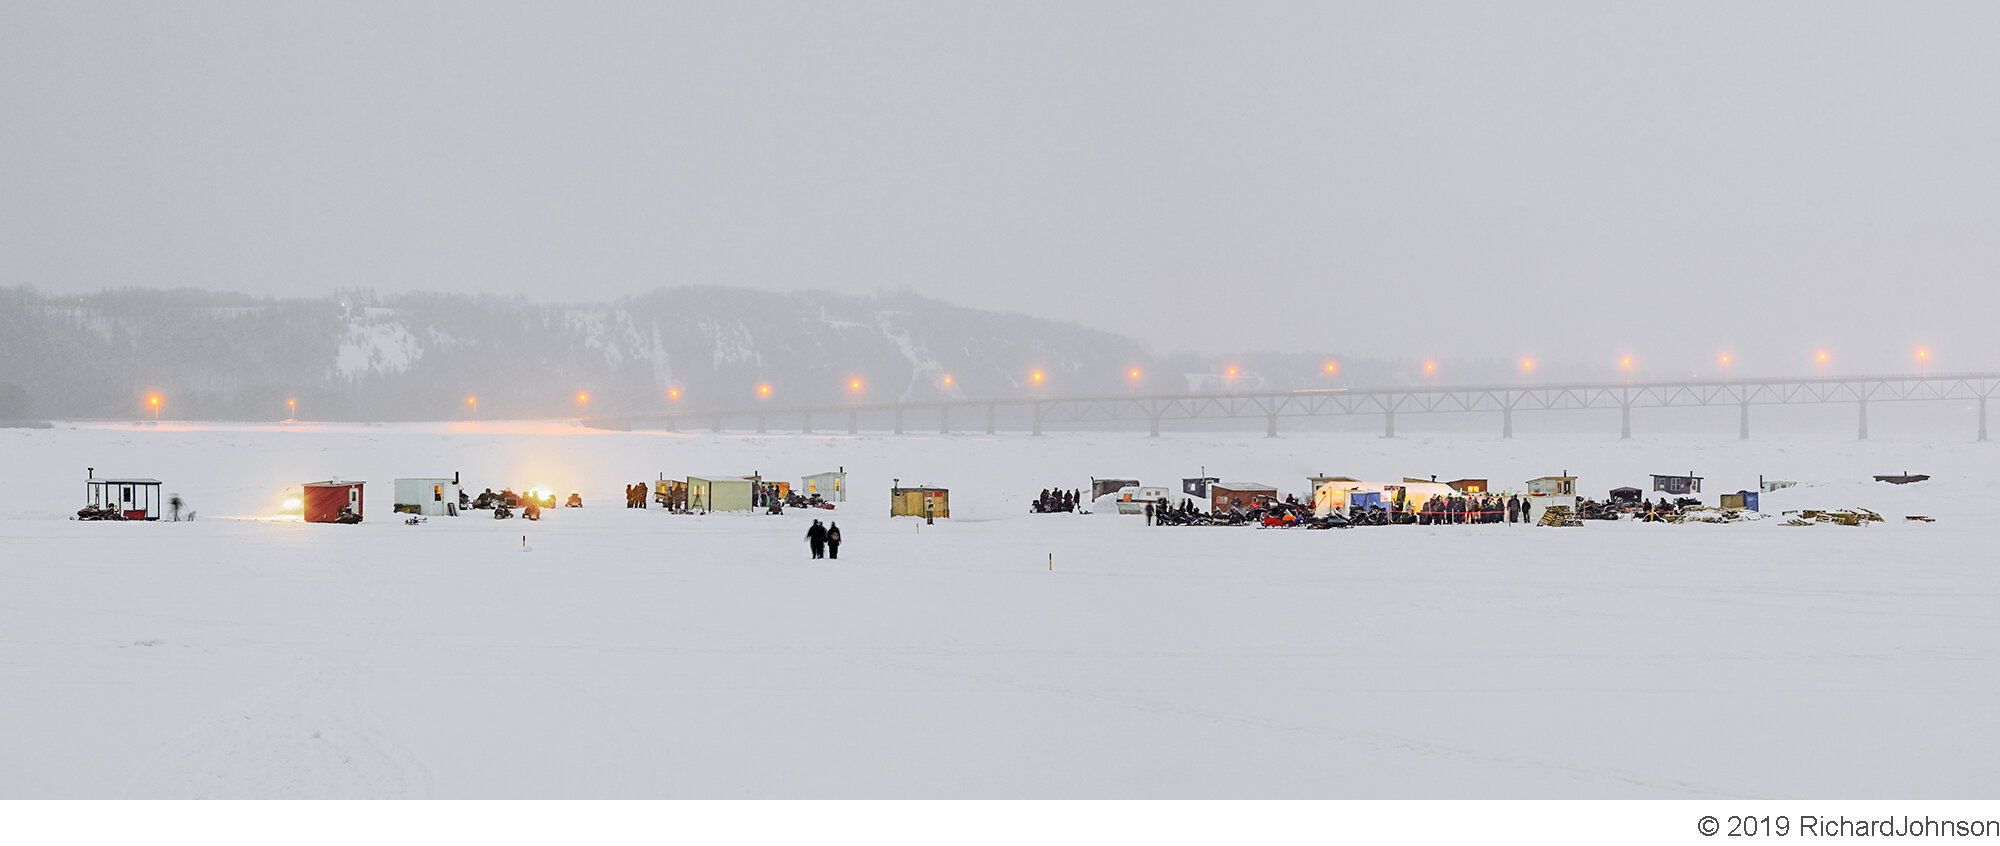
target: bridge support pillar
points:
(853, 422)
(1038, 420)
(992, 411)
(1153, 431)
(1624, 422)
(760, 424)
(806, 422)
(1389, 423)
(899, 420)
(1271, 425)
(944, 420)
(1743, 421)
(1982, 418)
(1863, 434)
(1507, 422)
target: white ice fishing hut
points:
(137, 499)
(831, 487)
(433, 497)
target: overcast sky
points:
(1563, 181)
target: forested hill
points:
(421, 356)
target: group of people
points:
(635, 495)
(1052, 501)
(824, 540)
(1478, 508)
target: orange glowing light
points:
(854, 385)
(1822, 356)
(1923, 353)
(1036, 376)
(1232, 372)
(582, 397)
(763, 390)
(947, 381)
(673, 393)
(1135, 374)
(1625, 363)
(1527, 364)
(1725, 359)
(1332, 367)
(1430, 366)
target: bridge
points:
(1504, 400)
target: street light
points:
(291, 409)
(1822, 363)
(474, 402)
(1035, 377)
(673, 393)
(154, 401)
(1332, 369)
(764, 390)
(1923, 361)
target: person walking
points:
(816, 538)
(833, 541)
(1149, 514)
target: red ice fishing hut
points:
(323, 500)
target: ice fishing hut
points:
(429, 497)
(1468, 486)
(1198, 487)
(1678, 485)
(721, 493)
(831, 487)
(1223, 496)
(1740, 499)
(1552, 486)
(1100, 487)
(323, 500)
(919, 502)
(136, 499)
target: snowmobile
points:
(501, 511)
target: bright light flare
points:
(1134, 375)
(673, 393)
(947, 381)
(854, 385)
(764, 390)
(582, 397)
(1333, 368)
(1430, 367)
(1527, 364)
(1035, 377)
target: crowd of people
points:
(1477, 508)
(1057, 500)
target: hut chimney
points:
(89, 473)
(454, 477)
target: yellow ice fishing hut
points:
(919, 502)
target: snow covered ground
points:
(639, 654)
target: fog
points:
(1569, 183)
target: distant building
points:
(136, 499)
(919, 502)
(1470, 486)
(721, 493)
(1677, 485)
(831, 487)
(432, 497)
(1552, 486)
(1223, 496)
(324, 500)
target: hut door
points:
(354, 499)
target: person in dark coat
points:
(816, 538)
(833, 541)
(1513, 509)
(1149, 514)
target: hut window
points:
(437, 493)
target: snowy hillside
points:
(993, 654)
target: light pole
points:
(291, 409)
(474, 402)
